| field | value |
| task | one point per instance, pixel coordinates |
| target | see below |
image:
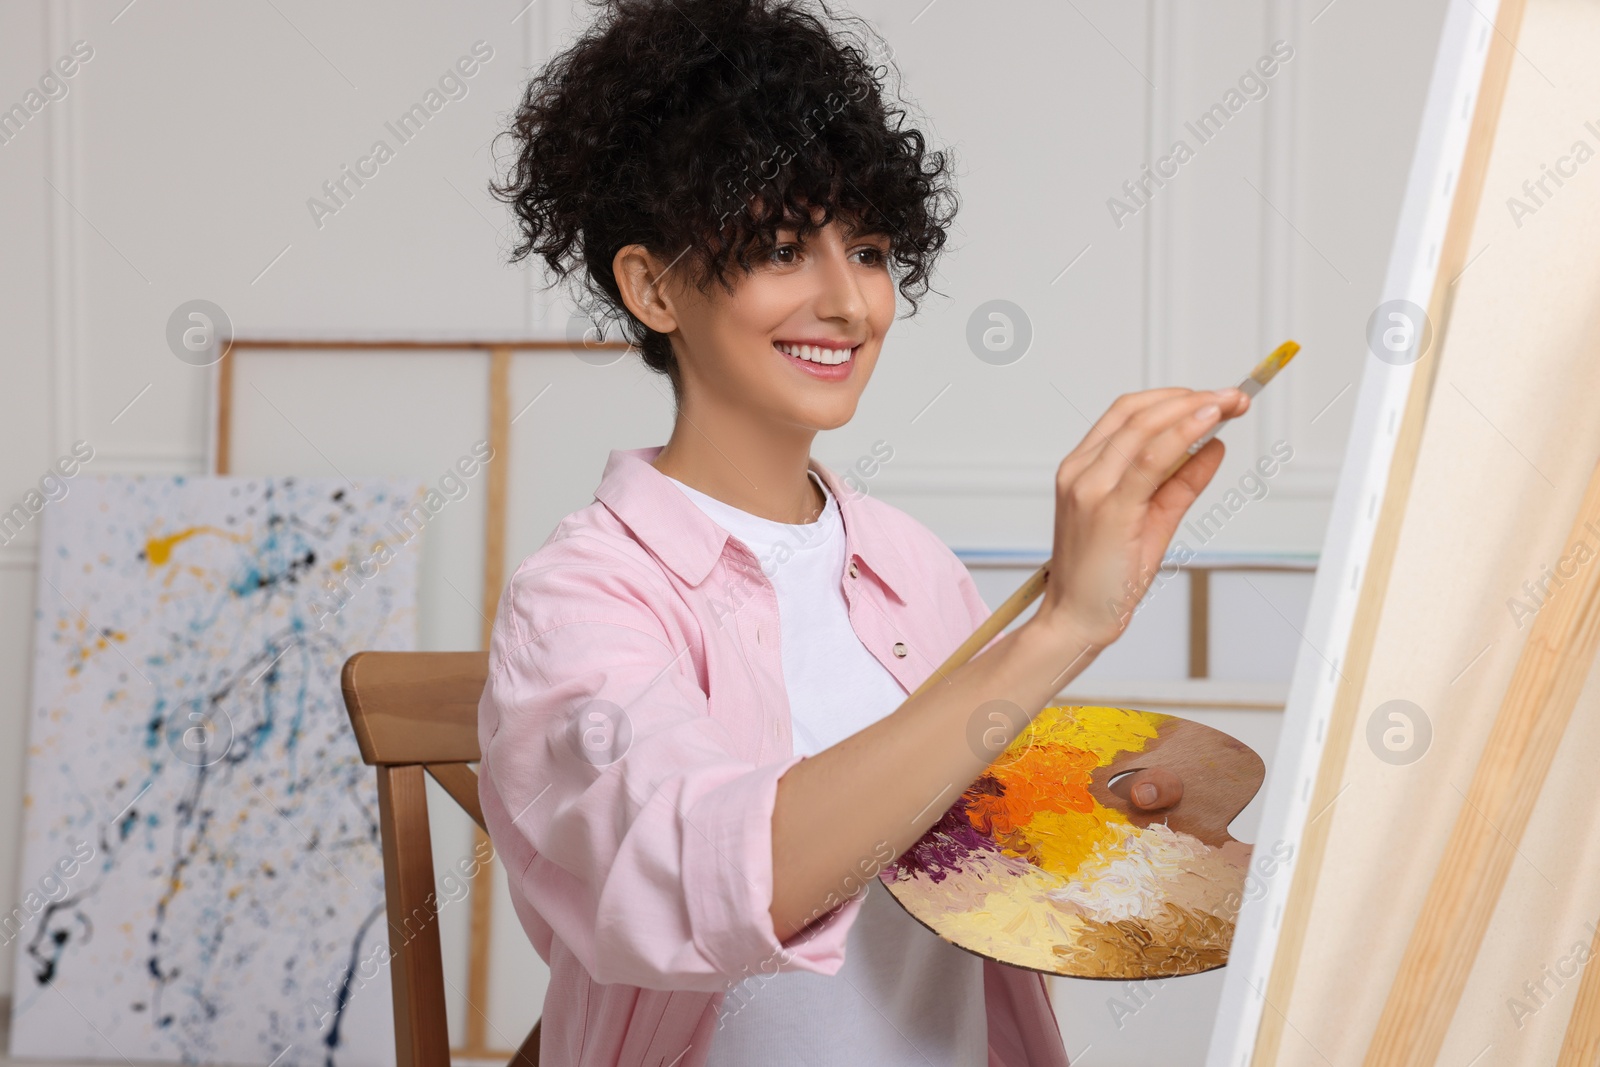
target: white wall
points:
(180, 162)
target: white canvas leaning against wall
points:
(202, 877)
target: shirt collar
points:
(686, 539)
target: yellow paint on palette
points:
(1044, 808)
(1064, 841)
(1039, 865)
(1017, 908)
(1107, 732)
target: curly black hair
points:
(697, 128)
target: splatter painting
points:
(202, 877)
(1043, 863)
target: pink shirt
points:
(634, 729)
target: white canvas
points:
(202, 874)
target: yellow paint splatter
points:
(158, 550)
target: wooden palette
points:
(1045, 863)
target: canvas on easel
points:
(1444, 712)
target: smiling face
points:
(795, 343)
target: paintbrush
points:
(1031, 589)
(1265, 371)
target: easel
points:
(499, 354)
(1406, 922)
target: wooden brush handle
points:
(1026, 594)
(1029, 591)
(1002, 617)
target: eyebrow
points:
(856, 229)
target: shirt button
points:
(900, 649)
(852, 568)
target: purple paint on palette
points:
(948, 842)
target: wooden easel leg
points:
(1544, 688)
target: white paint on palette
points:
(202, 877)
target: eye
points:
(784, 254)
(876, 251)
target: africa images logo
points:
(1251, 85)
(453, 85)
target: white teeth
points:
(811, 353)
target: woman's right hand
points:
(886, 784)
(1116, 512)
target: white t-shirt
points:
(903, 996)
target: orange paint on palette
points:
(1048, 777)
(1042, 864)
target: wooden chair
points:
(415, 712)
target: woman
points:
(698, 747)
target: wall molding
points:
(67, 369)
(1158, 216)
(149, 463)
(1278, 179)
(1311, 476)
(1314, 473)
(17, 557)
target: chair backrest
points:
(415, 712)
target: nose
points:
(839, 293)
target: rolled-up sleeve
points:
(626, 823)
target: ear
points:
(640, 278)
